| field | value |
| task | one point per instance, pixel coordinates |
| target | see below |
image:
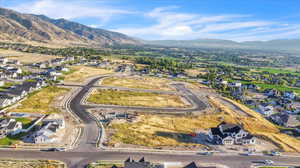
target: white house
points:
(3, 60)
(289, 94)
(9, 127)
(229, 134)
(48, 133)
(266, 110)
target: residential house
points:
(230, 134)
(289, 95)
(272, 93)
(250, 86)
(9, 126)
(142, 163)
(266, 110)
(298, 83)
(235, 84)
(280, 119)
(5, 101)
(3, 60)
(16, 70)
(194, 165)
(48, 132)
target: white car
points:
(275, 153)
(269, 162)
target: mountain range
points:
(292, 45)
(18, 27)
(40, 29)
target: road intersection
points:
(86, 150)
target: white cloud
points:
(70, 10)
(182, 26)
(168, 23)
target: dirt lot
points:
(151, 83)
(81, 73)
(12, 163)
(165, 131)
(131, 98)
(26, 58)
(41, 101)
(257, 125)
(159, 131)
(195, 72)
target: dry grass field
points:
(13, 163)
(105, 164)
(195, 72)
(131, 98)
(41, 101)
(26, 58)
(81, 73)
(158, 130)
(259, 126)
(151, 83)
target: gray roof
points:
(12, 125)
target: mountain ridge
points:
(279, 44)
(18, 27)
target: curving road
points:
(197, 104)
(86, 151)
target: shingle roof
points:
(12, 125)
(191, 165)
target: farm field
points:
(81, 73)
(41, 101)
(13, 163)
(151, 83)
(131, 98)
(26, 58)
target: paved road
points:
(81, 159)
(91, 131)
(193, 99)
(86, 151)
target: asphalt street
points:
(87, 152)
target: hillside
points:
(18, 27)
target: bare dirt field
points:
(151, 83)
(132, 98)
(26, 58)
(81, 73)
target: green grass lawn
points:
(7, 85)
(264, 86)
(10, 140)
(278, 70)
(25, 122)
(273, 167)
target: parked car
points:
(54, 150)
(206, 153)
(275, 153)
(266, 162)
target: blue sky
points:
(239, 20)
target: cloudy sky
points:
(239, 20)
